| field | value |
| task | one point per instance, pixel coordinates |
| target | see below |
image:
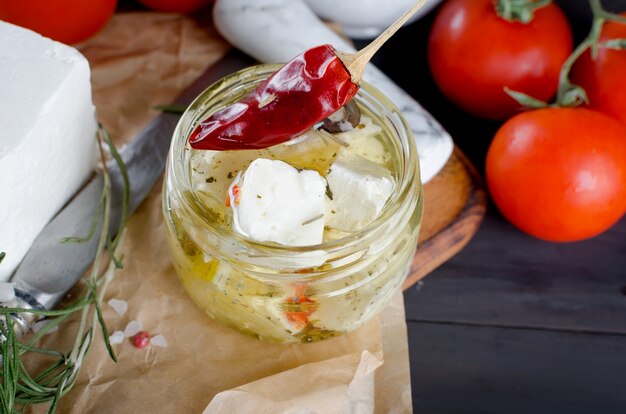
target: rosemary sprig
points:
(112, 243)
(20, 388)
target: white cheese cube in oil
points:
(275, 202)
(214, 171)
(279, 195)
(359, 189)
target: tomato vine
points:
(568, 93)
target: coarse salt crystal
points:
(133, 328)
(7, 291)
(117, 337)
(119, 306)
(158, 340)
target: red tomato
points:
(175, 6)
(559, 174)
(68, 21)
(604, 78)
(473, 54)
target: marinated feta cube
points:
(214, 171)
(273, 201)
(359, 188)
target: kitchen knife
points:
(51, 268)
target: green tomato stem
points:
(569, 94)
(598, 11)
(522, 11)
(600, 16)
(565, 85)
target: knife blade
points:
(51, 268)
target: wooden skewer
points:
(356, 62)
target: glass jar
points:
(281, 293)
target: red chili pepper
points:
(141, 339)
(235, 193)
(305, 91)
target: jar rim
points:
(196, 111)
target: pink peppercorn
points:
(141, 339)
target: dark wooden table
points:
(513, 324)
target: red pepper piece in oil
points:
(299, 307)
(303, 92)
(235, 193)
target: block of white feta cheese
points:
(275, 202)
(359, 188)
(47, 135)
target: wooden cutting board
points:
(455, 202)
(142, 60)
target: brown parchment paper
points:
(138, 61)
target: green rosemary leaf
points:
(22, 347)
(92, 227)
(10, 355)
(57, 397)
(48, 371)
(2, 256)
(33, 386)
(58, 373)
(47, 327)
(125, 196)
(4, 389)
(53, 380)
(29, 385)
(105, 332)
(78, 305)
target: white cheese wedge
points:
(359, 189)
(47, 135)
(276, 202)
